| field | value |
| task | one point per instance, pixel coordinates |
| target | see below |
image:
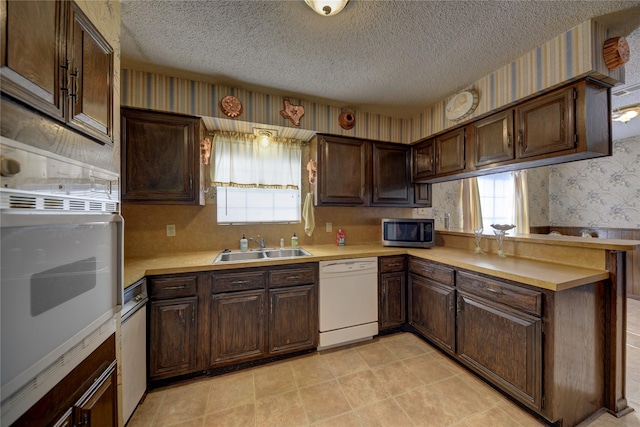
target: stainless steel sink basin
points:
(258, 255)
(286, 253)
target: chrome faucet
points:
(259, 241)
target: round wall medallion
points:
(346, 120)
(616, 52)
(231, 106)
(462, 105)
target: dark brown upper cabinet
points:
(391, 174)
(161, 158)
(439, 156)
(493, 138)
(68, 71)
(358, 172)
(344, 171)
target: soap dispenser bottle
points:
(244, 243)
(294, 241)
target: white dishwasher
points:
(348, 301)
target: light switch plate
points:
(328, 227)
(171, 230)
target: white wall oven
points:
(61, 269)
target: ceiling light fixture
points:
(264, 136)
(625, 114)
(327, 7)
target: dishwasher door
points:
(348, 301)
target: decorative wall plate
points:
(462, 105)
(231, 106)
(616, 52)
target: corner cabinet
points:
(440, 156)
(70, 75)
(391, 174)
(161, 158)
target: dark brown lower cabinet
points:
(87, 396)
(172, 337)
(503, 344)
(392, 292)
(237, 327)
(432, 310)
(293, 319)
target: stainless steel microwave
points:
(408, 232)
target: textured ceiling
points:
(388, 57)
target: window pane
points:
(496, 198)
(242, 205)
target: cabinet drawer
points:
(431, 270)
(492, 290)
(291, 276)
(240, 281)
(391, 263)
(171, 287)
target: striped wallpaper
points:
(574, 54)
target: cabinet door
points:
(98, 407)
(422, 195)
(172, 337)
(431, 310)
(343, 171)
(237, 327)
(90, 78)
(493, 139)
(159, 159)
(293, 319)
(392, 297)
(37, 27)
(547, 124)
(450, 152)
(391, 174)
(502, 344)
(424, 160)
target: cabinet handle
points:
(190, 182)
(74, 83)
(65, 76)
(173, 288)
(193, 317)
(459, 308)
(239, 282)
(509, 140)
(450, 304)
(293, 277)
(495, 291)
(520, 138)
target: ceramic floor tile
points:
(362, 388)
(376, 354)
(324, 400)
(183, 403)
(240, 416)
(281, 410)
(345, 362)
(425, 408)
(521, 417)
(427, 368)
(273, 379)
(311, 369)
(457, 394)
(231, 390)
(492, 417)
(345, 420)
(404, 346)
(396, 378)
(383, 414)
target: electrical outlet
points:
(171, 230)
(328, 227)
(422, 211)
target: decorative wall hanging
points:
(347, 120)
(616, 52)
(205, 151)
(312, 167)
(231, 106)
(462, 105)
(292, 112)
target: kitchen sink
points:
(227, 256)
(286, 253)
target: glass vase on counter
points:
(500, 230)
(478, 233)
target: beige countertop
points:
(542, 274)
